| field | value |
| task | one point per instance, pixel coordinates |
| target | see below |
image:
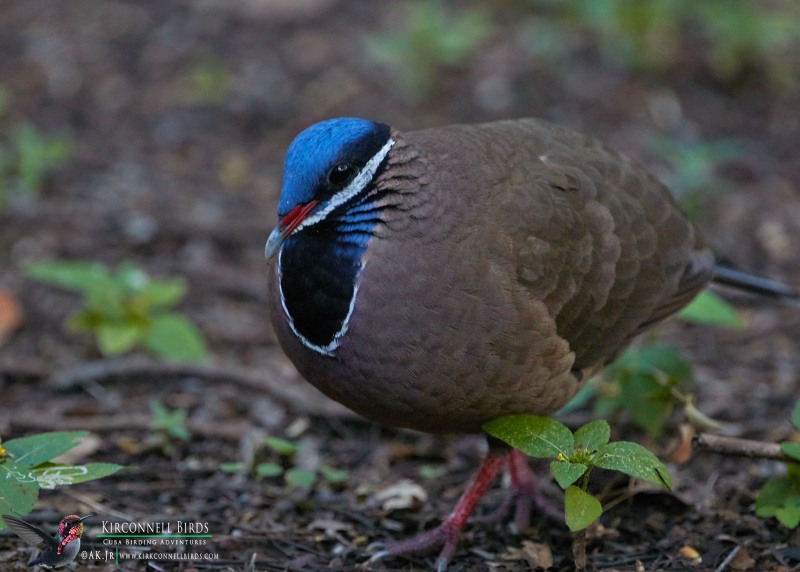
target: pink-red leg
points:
(523, 493)
(447, 533)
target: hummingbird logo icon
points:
(56, 551)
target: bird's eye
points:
(341, 174)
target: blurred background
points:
(150, 134)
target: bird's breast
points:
(438, 337)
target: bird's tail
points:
(729, 276)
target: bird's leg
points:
(524, 492)
(447, 533)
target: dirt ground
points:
(180, 113)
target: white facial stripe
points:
(356, 186)
(326, 350)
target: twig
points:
(728, 559)
(739, 447)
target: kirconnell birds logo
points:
(119, 540)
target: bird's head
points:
(72, 526)
(327, 166)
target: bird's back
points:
(590, 233)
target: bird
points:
(441, 278)
(58, 550)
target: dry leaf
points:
(403, 494)
(683, 450)
(10, 315)
(537, 554)
(742, 561)
(690, 554)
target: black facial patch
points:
(318, 277)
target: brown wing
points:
(606, 246)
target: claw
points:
(378, 544)
(378, 555)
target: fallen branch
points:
(735, 447)
(283, 383)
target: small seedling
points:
(26, 466)
(27, 159)
(575, 455)
(432, 39)
(126, 308)
(693, 168)
(780, 496)
(282, 464)
(168, 425)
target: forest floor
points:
(180, 113)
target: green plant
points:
(780, 496)
(27, 159)
(730, 36)
(649, 381)
(126, 308)
(433, 38)
(693, 168)
(575, 455)
(708, 308)
(168, 425)
(26, 466)
(652, 379)
(211, 81)
(282, 464)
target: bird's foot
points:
(523, 495)
(445, 535)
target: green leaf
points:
(114, 338)
(653, 357)
(162, 293)
(581, 398)
(593, 435)
(268, 470)
(61, 475)
(647, 401)
(76, 276)
(708, 308)
(231, 467)
(333, 475)
(796, 416)
(540, 437)
(634, 460)
(171, 422)
(777, 493)
(106, 300)
(129, 278)
(299, 478)
(789, 514)
(18, 489)
(175, 338)
(566, 473)
(791, 449)
(281, 446)
(580, 508)
(432, 471)
(37, 449)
